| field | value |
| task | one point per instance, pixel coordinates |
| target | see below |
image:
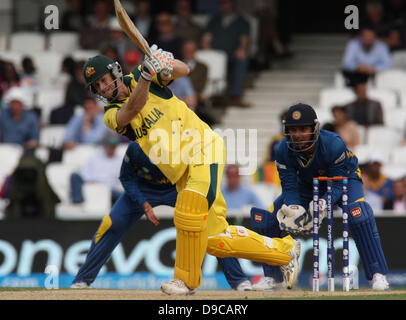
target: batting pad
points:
(191, 236)
(240, 242)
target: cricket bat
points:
(130, 29)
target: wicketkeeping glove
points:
(322, 209)
(294, 219)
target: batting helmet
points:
(98, 66)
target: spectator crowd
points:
(173, 27)
(176, 27)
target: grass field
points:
(7, 293)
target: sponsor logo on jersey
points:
(340, 158)
(258, 218)
(356, 212)
(279, 165)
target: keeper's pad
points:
(265, 222)
(240, 242)
(365, 233)
(190, 220)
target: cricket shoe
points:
(244, 286)
(291, 270)
(176, 287)
(80, 285)
(379, 282)
(268, 283)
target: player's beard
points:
(303, 145)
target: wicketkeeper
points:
(306, 152)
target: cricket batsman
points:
(306, 152)
(191, 156)
(145, 187)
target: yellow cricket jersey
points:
(168, 132)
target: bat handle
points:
(147, 49)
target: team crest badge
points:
(89, 71)
(296, 115)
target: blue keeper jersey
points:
(330, 158)
(138, 172)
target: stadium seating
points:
(393, 79)
(49, 66)
(266, 192)
(387, 98)
(97, 196)
(365, 151)
(48, 100)
(396, 118)
(324, 116)
(402, 98)
(78, 156)
(329, 97)
(42, 153)
(383, 136)
(48, 51)
(398, 155)
(27, 42)
(10, 155)
(58, 175)
(339, 80)
(97, 199)
(83, 55)
(216, 62)
(363, 133)
(63, 42)
(121, 149)
(399, 59)
(51, 136)
(393, 171)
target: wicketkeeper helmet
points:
(300, 115)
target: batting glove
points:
(169, 61)
(166, 59)
(154, 65)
